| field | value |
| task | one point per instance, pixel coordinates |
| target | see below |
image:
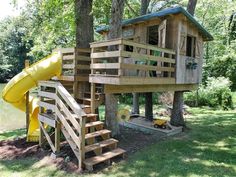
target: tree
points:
(114, 32)
(191, 6)
(177, 118)
(148, 96)
(84, 23)
(144, 7)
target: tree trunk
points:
(84, 23)
(135, 110)
(177, 118)
(148, 106)
(111, 114)
(148, 96)
(84, 32)
(114, 32)
(191, 6)
(144, 6)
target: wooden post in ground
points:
(27, 102)
(92, 98)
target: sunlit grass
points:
(207, 149)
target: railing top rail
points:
(147, 46)
(106, 43)
(70, 100)
(132, 43)
(65, 95)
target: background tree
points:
(177, 118)
(148, 96)
(114, 32)
(84, 23)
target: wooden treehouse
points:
(162, 51)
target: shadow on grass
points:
(209, 149)
(12, 134)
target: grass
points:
(12, 134)
(207, 149)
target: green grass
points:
(207, 149)
(12, 134)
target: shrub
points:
(215, 93)
(4, 73)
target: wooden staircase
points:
(99, 146)
(87, 137)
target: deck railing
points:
(131, 61)
(58, 106)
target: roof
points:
(170, 11)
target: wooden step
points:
(49, 119)
(86, 108)
(93, 124)
(97, 133)
(101, 144)
(90, 162)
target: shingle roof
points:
(175, 10)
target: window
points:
(153, 35)
(191, 46)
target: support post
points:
(82, 142)
(92, 98)
(57, 136)
(27, 103)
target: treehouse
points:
(162, 51)
(158, 51)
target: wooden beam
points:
(47, 137)
(106, 43)
(92, 103)
(145, 67)
(57, 136)
(106, 54)
(148, 88)
(105, 66)
(139, 56)
(131, 80)
(147, 46)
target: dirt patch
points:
(130, 140)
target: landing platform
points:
(141, 124)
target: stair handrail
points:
(61, 92)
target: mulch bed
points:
(130, 140)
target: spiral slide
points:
(14, 92)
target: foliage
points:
(13, 46)
(220, 54)
(216, 93)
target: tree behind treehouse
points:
(177, 118)
(84, 32)
(114, 32)
(84, 23)
(148, 96)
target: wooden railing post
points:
(27, 102)
(120, 60)
(82, 140)
(92, 98)
(57, 129)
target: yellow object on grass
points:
(159, 123)
(15, 90)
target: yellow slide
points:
(14, 92)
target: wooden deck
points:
(131, 63)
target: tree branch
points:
(130, 8)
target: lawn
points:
(207, 149)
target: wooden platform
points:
(142, 124)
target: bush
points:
(4, 73)
(216, 93)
